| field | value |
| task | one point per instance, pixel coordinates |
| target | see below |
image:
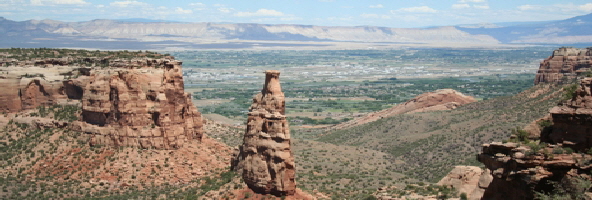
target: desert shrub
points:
(571, 189)
(545, 123)
(568, 91)
(463, 196)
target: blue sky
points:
(403, 14)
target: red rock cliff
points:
(265, 159)
(144, 107)
(572, 121)
(565, 63)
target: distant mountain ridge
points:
(141, 33)
(569, 31)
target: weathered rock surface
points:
(572, 121)
(565, 63)
(444, 99)
(145, 107)
(520, 171)
(534, 128)
(470, 180)
(28, 87)
(137, 102)
(265, 159)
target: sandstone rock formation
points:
(265, 159)
(137, 102)
(522, 170)
(145, 107)
(443, 99)
(30, 86)
(470, 180)
(565, 63)
(572, 121)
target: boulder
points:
(470, 180)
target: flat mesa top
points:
(272, 72)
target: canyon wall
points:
(265, 159)
(564, 64)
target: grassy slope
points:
(430, 144)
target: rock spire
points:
(265, 159)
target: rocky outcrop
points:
(125, 102)
(523, 169)
(564, 64)
(443, 99)
(572, 121)
(29, 87)
(470, 180)
(520, 171)
(265, 158)
(145, 107)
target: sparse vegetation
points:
(574, 188)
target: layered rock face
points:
(565, 63)
(30, 87)
(519, 172)
(522, 170)
(145, 107)
(443, 99)
(265, 158)
(572, 121)
(139, 102)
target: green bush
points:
(568, 91)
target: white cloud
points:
(377, 6)
(69, 2)
(58, 2)
(418, 9)
(198, 4)
(586, 7)
(182, 11)
(485, 7)
(460, 6)
(569, 7)
(124, 4)
(369, 15)
(375, 16)
(259, 13)
(339, 18)
(529, 7)
(36, 2)
(225, 10)
(471, 1)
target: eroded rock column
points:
(265, 158)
